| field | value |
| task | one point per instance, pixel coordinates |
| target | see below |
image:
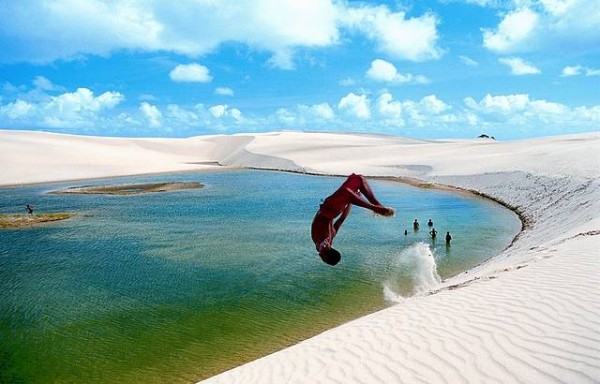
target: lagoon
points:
(175, 287)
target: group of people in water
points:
(432, 232)
(335, 209)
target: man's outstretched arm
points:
(379, 209)
(340, 221)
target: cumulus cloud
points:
(385, 71)
(396, 35)
(42, 32)
(519, 66)
(546, 25)
(224, 91)
(194, 73)
(16, 109)
(302, 116)
(513, 33)
(224, 111)
(70, 109)
(355, 105)
(319, 111)
(577, 70)
(521, 109)
(152, 114)
(429, 110)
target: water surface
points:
(178, 286)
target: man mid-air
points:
(339, 204)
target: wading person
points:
(338, 206)
(433, 233)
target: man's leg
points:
(364, 188)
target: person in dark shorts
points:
(448, 238)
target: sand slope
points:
(529, 315)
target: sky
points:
(417, 68)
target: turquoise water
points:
(178, 286)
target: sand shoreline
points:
(527, 315)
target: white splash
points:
(418, 261)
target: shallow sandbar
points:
(19, 221)
(131, 189)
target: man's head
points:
(330, 256)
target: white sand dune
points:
(528, 315)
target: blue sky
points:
(429, 69)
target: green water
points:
(179, 286)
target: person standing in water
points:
(29, 208)
(448, 238)
(430, 223)
(416, 225)
(338, 205)
(433, 233)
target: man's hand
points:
(384, 211)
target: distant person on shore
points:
(433, 233)
(416, 225)
(430, 223)
(448, 238)
(29, 208)
(324, 229)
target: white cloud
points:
(546, 25)
(223, 111)
(318, 111)
(468, 61)
(42, 83)
(408, 39)
(388, 107)
(16, 109)
(355, 105)
(518, 106)
(286, 117)
(429, 111)
(519, 67)
(68, 110)
(572, 70)
(433, 105)
(218, 111)
(558, 7)
(503, 104)
(72, 107)
(224, 91)
(577, 70)
(382, 70)
(592, 72)
(46, 31)
(152, 114)
(190, 73)
(42, 31)
(513, 33)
